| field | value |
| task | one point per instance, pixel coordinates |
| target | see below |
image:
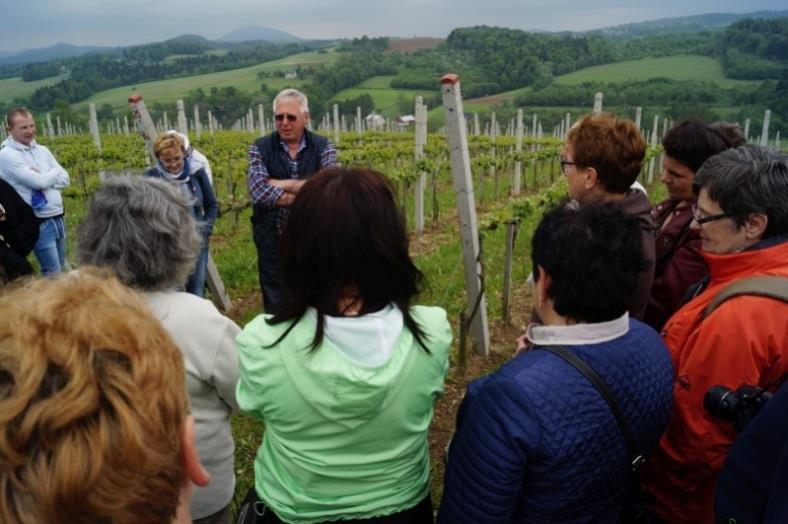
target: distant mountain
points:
(48, 53)
(682, 24)
(257, 32)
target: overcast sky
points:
(40, 23)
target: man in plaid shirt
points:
(279, 164)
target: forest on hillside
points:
(490, 60)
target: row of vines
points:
(437, 251)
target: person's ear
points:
(541, 286)
(755, 225)
(589, 177)
(194, 469)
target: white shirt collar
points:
(578, 334)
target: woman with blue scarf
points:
(173, 166)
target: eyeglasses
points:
(565, 163)
(705, 220)
(281, 117)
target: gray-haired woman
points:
(143, 230)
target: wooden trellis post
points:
(421, 140)
(598, 103)
(148, 131)
(94, 128)
(469, 231)
(511, 232)
(765, 131)
(518, 147)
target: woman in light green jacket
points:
(346, 375)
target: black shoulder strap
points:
(637, 459)
(767, 286)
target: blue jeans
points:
(50, 250)
(196, 282)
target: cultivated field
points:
(679, 67)
(244, 79)
(385, 96)
(11, 88)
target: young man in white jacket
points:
(38, 178)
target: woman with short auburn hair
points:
(601, 159)
(345, 376)
(94, 418)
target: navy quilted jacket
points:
(536, 442)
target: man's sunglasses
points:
(281, 117)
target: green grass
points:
(680, 67)
(384, 96)
(244, 79)
(11, 88)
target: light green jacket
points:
(342, 441)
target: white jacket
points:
(33, 167)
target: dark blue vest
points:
(277, 163)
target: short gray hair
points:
(294, 94)
(143, 230)
(746, 180)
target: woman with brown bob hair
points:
(94, 423)
(346, 375)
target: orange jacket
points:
(744, 341)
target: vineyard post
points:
(336, 124)
(358, 120)
(59, 127)
(511, 231)
(653, 145)
(765, 131)
(260, 120)
(50, 130)
(250, 121)
(94, 128)
(165, 125)
(638, 116)
(463, 191)
(598, 102)
(125, 125)
(567, 122)
(421, 181)
(210, 123)
(476, 124)
(118, 129)
(518, 147)
(493, 169)
(747, 129)
(197, 123)
(183, 126)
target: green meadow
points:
(679, 67)
(11, 88)
(384, 96)
(244, 79)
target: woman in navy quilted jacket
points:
(535, 441)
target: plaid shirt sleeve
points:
(328, 157)
(257, 180)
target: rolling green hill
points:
(244, 79)
(11, 88)
(384, 96)
(681, 67)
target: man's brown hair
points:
(92, 405)
(15, 112)
(611, 145)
